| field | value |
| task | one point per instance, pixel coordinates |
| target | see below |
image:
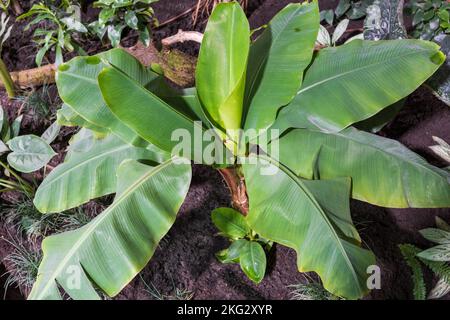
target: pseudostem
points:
(238, 190)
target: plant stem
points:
(7, 80)
(237, 187)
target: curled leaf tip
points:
(63, 67)
(93, 60)
(438, 58)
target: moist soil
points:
(185, 258)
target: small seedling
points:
(62, 24)
(116, 15)
(247, 248)
(27, 153)
(324, 38)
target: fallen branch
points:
(183, 36)
(34, 77)
(177, 66)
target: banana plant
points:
(297, 197)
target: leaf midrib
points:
(86, 161)
(317, 206)
(398, 57)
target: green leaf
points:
(74, 24)
(149, 116)
(87, 174)
(184, 100)
(40, 55)
(59, 59)
(230, 222)
(51, 133)
(436, 235)
(15, 126)
(377, 122)
(409, 254)
(277, 61)
(284, 210)
(439, 268)
(339, 30)
(131, 19)
(252, 259)
(358, 10)
(436, 253)
(383, 171)
(328, 16)
(4, 126)
(145, 37)
(142, 213)
(444, 15)
(342, 7)
(78, 88)
(105, 15)
(343, 84)
(323, 38)
(231, 255)
(418, 18)
(66, 116)
(115, 34)
(29, 153)
(82, 142)
(333, 195)
(222, 63)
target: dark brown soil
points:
(186, 259)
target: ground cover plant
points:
(62, 23)
(297, 197)
(346, 8)
(430, 18)
(117, 15)
(435, 258)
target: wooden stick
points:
(183, 36)
(34, 77)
